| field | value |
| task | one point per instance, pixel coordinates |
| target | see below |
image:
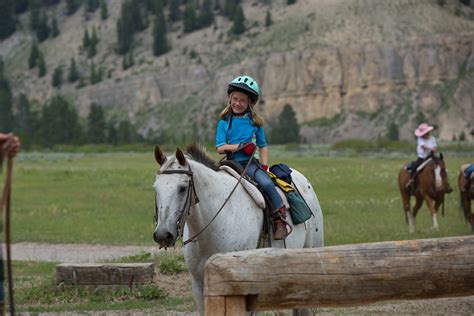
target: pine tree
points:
(72, 6)
(189, 17)
(96, 125)
(21, 6)
(54, 27)
(59, 123)
(112, 134)
(41, 65)
(6, 102)
(92, 49)
(57, 79)
(160, 42)
(230, 7)
(268, 19)
(104, 13)
(287, 129)
(175, 13)
(7, 18)
(34, 14)
(124, 34)
(206, 16)
(94, 76)
(73, 72)
(34, 54)
(92, 5)
(124, 132)
(392, 131)
(86, 41)
(43, 29)
(25, 122)
(239, 21)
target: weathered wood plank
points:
(214, 305)
(235, 306)
(104, 274)
(345, 275)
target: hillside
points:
(349, 68)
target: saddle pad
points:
(250, 188)
(420, 167)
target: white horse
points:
(189, 193)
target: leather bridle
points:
(183, 215)
(188, 202)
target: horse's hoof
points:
(435, 229)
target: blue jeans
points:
(468, 172)
(262, 178)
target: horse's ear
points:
(159, 157)
(180, 157)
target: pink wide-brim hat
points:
(423, 129)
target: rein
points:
(193, 238)
(6, 202)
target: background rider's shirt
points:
(430, 142)
(239, 131)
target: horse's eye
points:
(181, 189)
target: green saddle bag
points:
(299, 210)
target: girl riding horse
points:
(239, 132)
(426, 145)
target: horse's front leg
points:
(198, 295)
(433, 211)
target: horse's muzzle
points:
(164, 238)
(449, 189)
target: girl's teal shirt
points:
(239, 129)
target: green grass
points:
(107, 198)
(36, 291)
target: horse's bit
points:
(186, 210)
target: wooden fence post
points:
(344, 275)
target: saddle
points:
(248, 184)
(291, 198)
(409, 166)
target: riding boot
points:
(279, 227)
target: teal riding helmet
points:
(245, 84)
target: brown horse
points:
(431, 184)
(467, 194)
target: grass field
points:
(107, 198)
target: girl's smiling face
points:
(239, 102)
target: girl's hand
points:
(248, 148)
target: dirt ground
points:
(181, 284)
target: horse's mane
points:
(198, 153)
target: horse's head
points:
(173, 196)
(441, 175)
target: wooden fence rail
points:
(347, 275)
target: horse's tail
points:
(442, 208)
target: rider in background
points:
(426, 145)
(467, 172)
(239, 132)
